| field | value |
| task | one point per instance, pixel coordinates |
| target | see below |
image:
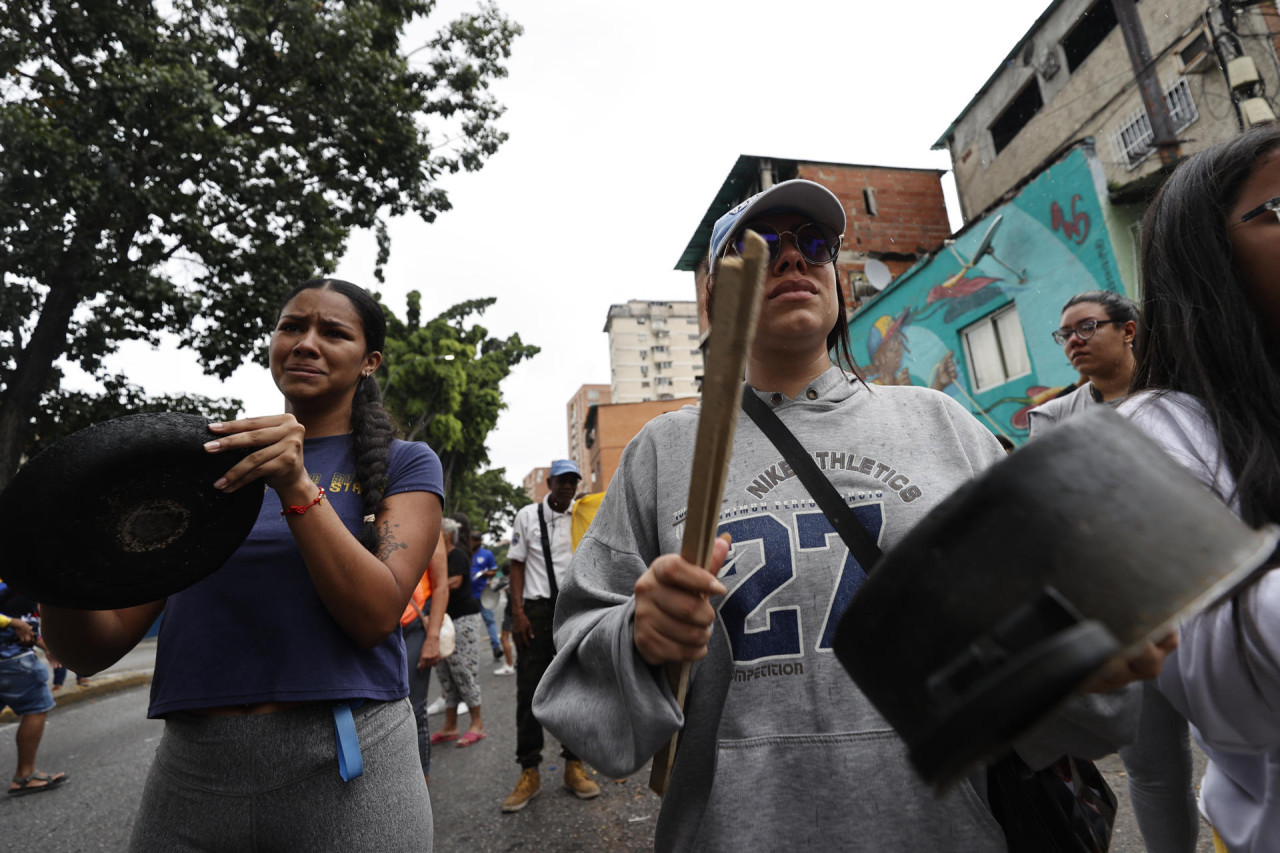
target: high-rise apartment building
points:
(653, 351)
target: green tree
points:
(488, 499)
(63, 412)
(442, 386)
(178, 166)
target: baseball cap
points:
(812, 199)
(564, 466)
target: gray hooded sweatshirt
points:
(779, 748)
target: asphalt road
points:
(106, 745)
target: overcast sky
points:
(624, 119)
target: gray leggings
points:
(270, 782)
(419, 681)
(1158, 764)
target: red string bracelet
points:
(302, 508)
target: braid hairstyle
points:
(371, 426)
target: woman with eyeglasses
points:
(779, 749)
(1207, 388)
(1097, 333)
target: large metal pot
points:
(123, 513)
(1015, 590)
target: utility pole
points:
(1135, 39)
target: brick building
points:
(586, 397)
(609, 428)
(535, 483)
(893, 215)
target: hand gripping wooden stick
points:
(738, 290)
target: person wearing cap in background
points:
(778, 747)
(483, 568)
(541, 534)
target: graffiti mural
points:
(928, 326)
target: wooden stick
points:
(738, 291)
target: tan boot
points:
(577, 780)
(526, 789)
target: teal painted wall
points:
(1055, 232)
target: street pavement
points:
(101, 736)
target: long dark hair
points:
(371, 426)
(1203, 335)
(464, 530)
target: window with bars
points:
(996, 349)
(1134, 140)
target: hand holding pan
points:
(124, 513)
(1020, 587)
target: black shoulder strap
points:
(855, 536)
(546, 554)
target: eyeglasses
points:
(816, 243)
(1084, 331)
(1271, 205)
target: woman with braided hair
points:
(282, 677)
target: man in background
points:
(541, 547)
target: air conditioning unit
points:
(1256, 111)
(1242, 73)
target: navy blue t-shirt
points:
(256, 630)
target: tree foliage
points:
(441, 385)
(178, 166)
(64, 412)
(488, 499)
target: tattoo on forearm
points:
(388, 544)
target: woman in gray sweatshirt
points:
(779, 749)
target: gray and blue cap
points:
(812, 199)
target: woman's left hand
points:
(430, 655)
(1142, 666)
(278, 463)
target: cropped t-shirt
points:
(256, 630)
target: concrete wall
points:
(1098, 98)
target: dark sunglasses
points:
(1271, 205)
(1084, 331)
(817, 244)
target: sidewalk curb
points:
(102, 685)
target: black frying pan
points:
(1018, 587)
(123, 513)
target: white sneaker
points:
(436, 707)
(505, 669)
